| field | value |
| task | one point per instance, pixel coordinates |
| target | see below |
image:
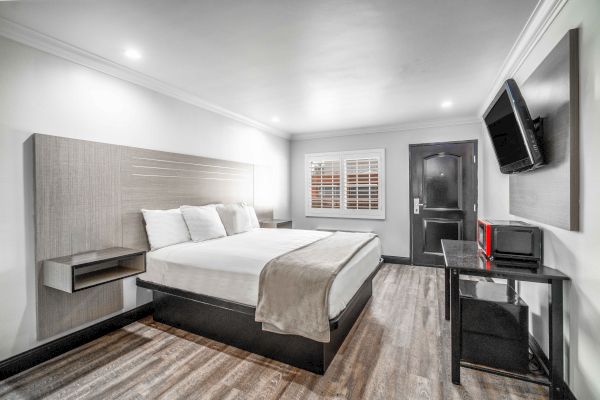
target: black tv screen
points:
(512, 131)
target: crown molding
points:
(48, 44)
(543, 15)
(386, 128)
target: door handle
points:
(416, 205)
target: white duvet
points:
(229, 267)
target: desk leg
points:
(447, 294)
(511, 290)
(455, 331)
(556, 339)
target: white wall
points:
(575, 253)
(395, 229)
(45, 94)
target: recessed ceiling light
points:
(275, 119)
(133, 54)
(447, 104)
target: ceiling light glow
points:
(275, 119)
(133, 54)
(447, 104)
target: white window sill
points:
(346, 216)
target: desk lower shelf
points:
(538, 378)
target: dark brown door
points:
(443, 201)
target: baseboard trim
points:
(46, 351)
(396, 260)
(568, 395)
(405, 261)
(537, 351)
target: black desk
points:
(463, 257)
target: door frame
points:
(475, 142)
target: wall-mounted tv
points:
(516, 138)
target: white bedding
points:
(229, 267)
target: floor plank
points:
(398, 349)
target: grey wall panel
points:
(77, 209)
(551, 194)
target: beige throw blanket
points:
(293, 295)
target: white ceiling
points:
(318, 65)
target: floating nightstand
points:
(276, 223)
(81, 271)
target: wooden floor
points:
(398, 349)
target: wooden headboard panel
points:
(159, 180)
(89, 196)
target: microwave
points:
(510, 240)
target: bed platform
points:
(233, 324)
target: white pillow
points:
(252, 215)
(165, 228)
(203, 222)
(235, 218)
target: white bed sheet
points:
(229, 267)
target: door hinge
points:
(474, 207)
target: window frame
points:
(343, 211)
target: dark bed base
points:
(233, 324)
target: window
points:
(362, 183)
(346, 184)
(325, 184)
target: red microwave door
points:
(484, 237)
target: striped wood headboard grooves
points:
(159, 180)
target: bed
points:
(211, 288)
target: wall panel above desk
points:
(551, 194)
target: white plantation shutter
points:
(362, 184)
(346, 184)
(325, 184)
